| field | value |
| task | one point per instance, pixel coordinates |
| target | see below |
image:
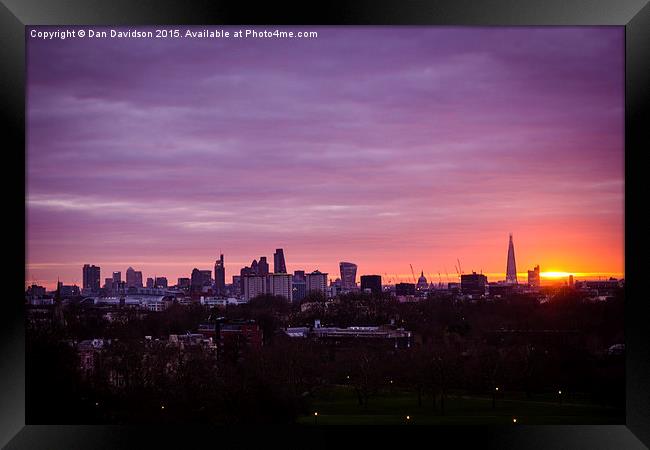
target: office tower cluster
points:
(257, 279)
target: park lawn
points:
(339, 406)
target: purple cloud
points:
(385, 146)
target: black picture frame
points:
(634, 15)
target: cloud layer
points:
(384, 146)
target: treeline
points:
(159, 384)
(429, 318)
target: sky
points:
(383, 146)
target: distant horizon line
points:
(548, 276)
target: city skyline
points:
(384, 147)
(549, 277)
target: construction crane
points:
(439, 280)
(413, 273)
(459, 268)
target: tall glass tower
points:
(279, 266)
(348, 275)
(511, 269)
(220, 275)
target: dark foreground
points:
(338, 406)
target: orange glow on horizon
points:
(555, 274)
(550, 276)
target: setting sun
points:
(555, 274)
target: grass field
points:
(339, 406)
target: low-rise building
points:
(222, 302)
(385, 334)
(183, 341)
(88, 351)
(403, 289)
(149, 302)
(246, 332)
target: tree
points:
(442, 370)
(366, 371)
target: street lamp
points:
(315, 417)
(514, 420)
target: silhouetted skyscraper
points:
(207, 277)
(253, 286)
(183, 283)
(533, 277)
(348, 275)
(117, 281)
(372, 282)
(236, 285)
(511, 269)
(316, 281)
(279, 265)
(220, 276)
(299, 275)
(90, 278)
(280, 284)
(474, 284)
(196, 279)
(150, 283)
(298, 286)
(263, 266)
(133, 278)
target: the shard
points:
(511, 269)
